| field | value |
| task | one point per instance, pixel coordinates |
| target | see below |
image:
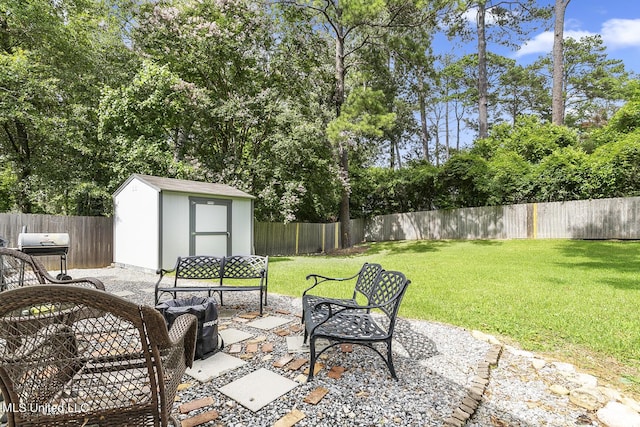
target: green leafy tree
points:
(54, 58)
(563, 175)
(352, 25)
(523, 91)
(593, 84)
(145, 125)
(250, 111)
(501, 21)
(463, 182)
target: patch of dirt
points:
(354, 250)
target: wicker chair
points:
(18, 269)
(76, 356)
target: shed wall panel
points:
(175, 227)
(136, 225)
(241, 227)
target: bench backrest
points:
(388, 290)
(93, 354)
(367, 279)
(245, 267)
(198, 267)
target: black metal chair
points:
(340, 322)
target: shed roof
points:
(185, 186)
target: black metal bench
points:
(203, 273)
(365, 279)
(349, 322)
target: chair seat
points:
(356, 327)
(310, 301)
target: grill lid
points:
(43, 243)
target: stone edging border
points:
(472, 400)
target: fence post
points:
(535, 220)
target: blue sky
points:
(617, 21)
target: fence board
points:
(91, 238)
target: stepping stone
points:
(148, 290)
(296, 344)
(267, 347)
(232, 335)
(269, 322)
(290, 419)
(336, 372)
(195, 404)
(227, 313)
(235, 348)
(316, 368)
(249, 316)
(283, 361)
(258, 389)
(296, 364)
(214, 366)
(200, 419)
(258, 339)
(123, 293)
(316, 395)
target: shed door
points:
(210, 226)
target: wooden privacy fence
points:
(583, 219)
(91, 238)
(273, 238)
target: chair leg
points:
(390, 361)
(312, 357)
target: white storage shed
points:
(158, 219)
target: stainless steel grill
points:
(47, 244)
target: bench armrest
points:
(91, 281)
(318, 279)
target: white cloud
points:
(542, 43)
(618, 33)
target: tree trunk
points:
(343, 148)
(446, 120)
(21, 145)
(557, 95)
(424, 133)
(483, 116)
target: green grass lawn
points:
(574, 300)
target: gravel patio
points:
(440, 369)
